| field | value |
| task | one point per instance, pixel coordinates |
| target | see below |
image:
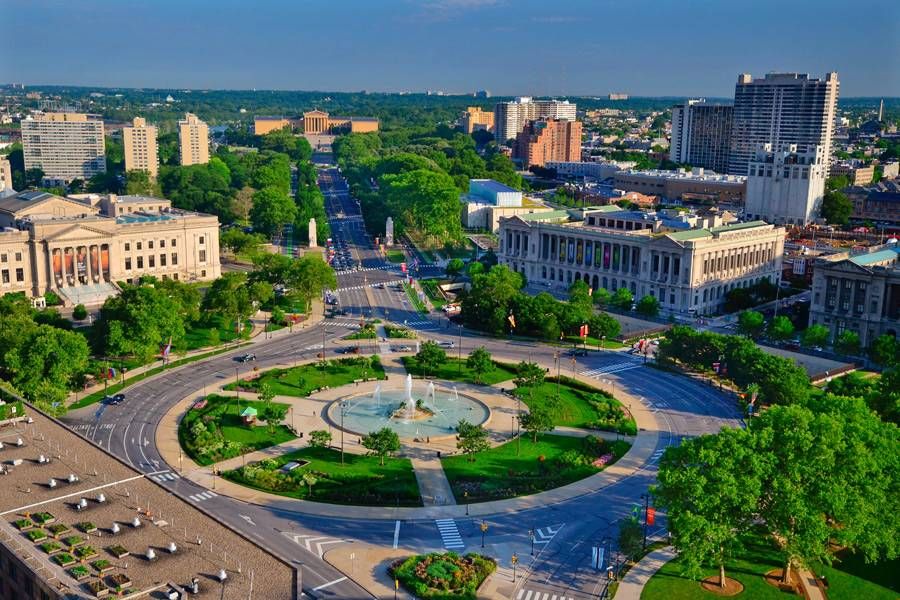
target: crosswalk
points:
(165, 476)
(422, 324)
(336, 323)
(540, 595)
(449, 534)
(617, 367)
(364, 269)
(359, 287)
(207, 495)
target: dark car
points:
(114, 400)
(578, 352)
(247, 358)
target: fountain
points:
(408, 415)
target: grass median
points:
(302, 380)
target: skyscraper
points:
(510, 117)
(141, 153)
(701, 134)
(65, 146)
(781, 108)
(193, 138)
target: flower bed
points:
(85, 552)
(36, 535)
(98, 588)
(119, 581)
(58, 529)
(51, 547)
(23, 524)
(43, 518)
(102, 565)
(446, 576)
(64, 559)
(79, 572)
(73, 540)
(86, 527)
(118, 551)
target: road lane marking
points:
(329, 584)
(396, 533)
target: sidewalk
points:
(636, 578)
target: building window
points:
(162, 260)
(127, 246)
(174, 259)
(127, 264)
(140, 262)
(150, 244)
(151, 261)
(203, 273)
(174, 242)
(162, 243)
(5, 275)
(202, 240)
(18, 257)
(202, 255)
(138, 245)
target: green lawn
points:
(228, 436)
(430, 287)
(395, 256)
(212, 330)
(593, 342)
(453, 369)
(500, 472)
(849, 580)
(115, 388)
(579, 406)
(414, 298)
(302, 380)
(361, 480)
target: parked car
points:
(446, 344)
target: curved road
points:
(565, 532)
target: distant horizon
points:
(645, 48)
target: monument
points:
(389, 232)
(312, 233)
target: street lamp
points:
(514, 559)
(466, 497)
(484, 528)
(531, 535)
(459, 349)
(646, 499)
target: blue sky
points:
(578, 47)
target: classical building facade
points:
(264, 125)
(141, 150)
(858, 293)
(690, 271)
(317, 122)
(781, 108)
(65, 146)
(79, 247)
(548, 140)
(193, 139)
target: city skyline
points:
(456, 46)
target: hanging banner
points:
(589, 253)
(70, 265)
(104, 261)
(57, 261)
(95, 263)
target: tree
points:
(751, 323)
(46, 362)
(139, 183)
(471, 439)
(529, 375)
(237, 241)
(480, 363)
(475, 268)
(139, 321)
(265, 393)
(381, 443)
(623, 298)
(884, 350)
(308, 277)
(815, 335)
(780, 328)
(604, 326)
(310, 479)
(430, 355)
(648, 306)
(487, 304)
(455, 267)
(33, 177)
(831, 477)
(709, 486)
(536, 421)
(424, 200)
(79, 313)
(319, 438)
(631, 537)
(231, 297)
(272, 209)
(602, 297)
(580, 295)
(273, 414)
(836, 208)
(847, 342)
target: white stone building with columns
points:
(688, 264)
(80, 247)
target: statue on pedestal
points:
(312, 233)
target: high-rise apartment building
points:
(548, 140)
(65, 146)
(475, 118)
(786, 185)
(781, 108)
(701, 134)
(510, 117)
(193, 137)
(141, 151)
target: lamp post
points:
(514, 559)
(484, 528)
(557, 356)
(466, 497)
(646, 499)
(531, 535)
(237, 385)
(459, 349)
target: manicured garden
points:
(578, 405)
(399, 332)
(847, 580)
(361, 480)
(443, 576)
(522, 467)
(212, 330)
(366, 332)
(217, 431)
(302, 380)
(452, 369)
(395, 256)
(430, 287)
(414, 299)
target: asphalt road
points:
(565, 533)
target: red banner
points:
(583, 331)
(651, 515)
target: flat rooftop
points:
(494, 186)
(874, 258)
(82, 472)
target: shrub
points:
(79, 313)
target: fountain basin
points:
(436, 416)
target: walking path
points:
(636, 578)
